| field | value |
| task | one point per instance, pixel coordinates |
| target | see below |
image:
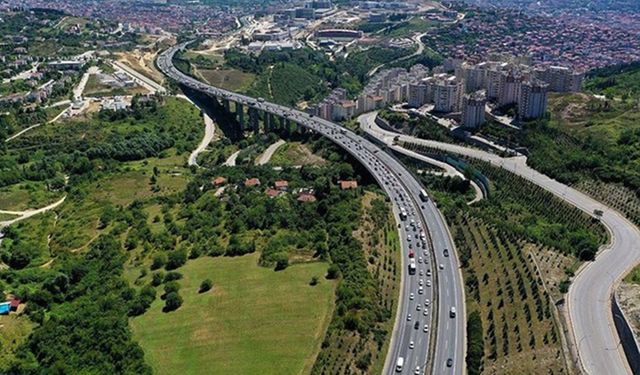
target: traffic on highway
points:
(429, 261)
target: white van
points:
(399, 364)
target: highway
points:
(589, 296)
(413, 332)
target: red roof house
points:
(281, 184)
(346, 185)
(251, 182)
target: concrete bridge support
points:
(226, 105)
(240, 115)
(254, 119)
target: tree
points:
(333, 272)
(314, 281)
(205, 286)
(176, 259)
(172, 302)
(158, 261)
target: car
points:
(452, 312)
(410, 246)
(426, 328)
(428, 283)
(409, 318)
(409, 238)
(425, 253)
(449, 362)
(416, 325)
(420, 260)
(411, 296)
(428, 272)
(427, 302)
(421, 273)
(426, 312)
(441, 266)
(420, 290)
(417, 371)
(446, 252)
(411, 345)
(420, 282)
(418, 307)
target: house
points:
(13, 305)
(218, 181)
(251, 182)
(281, 184)
(348, 184)
(273, 193)
(306, 198)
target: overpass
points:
(425, 301)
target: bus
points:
(412, 266)
(423, 195)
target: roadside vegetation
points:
(518, 249)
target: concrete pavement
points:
(588, 299)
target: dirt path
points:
(28, 213)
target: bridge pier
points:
(226, 105)
(240, 115)
(267, 121)
(254, 119)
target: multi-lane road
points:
(416, 316)
(589, 297)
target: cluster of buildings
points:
(459, 90)
(581, 41)
(148, 15)
(274, 39)
(311, 10)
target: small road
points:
(416, 38)
(209, 133)
(138, 78)
(79, 89)
(28, 213)
(268, 153)
(231, 160)
(589, 297)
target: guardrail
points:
(627, 338)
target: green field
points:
(229, 79)
(22, 196)
(253, 321)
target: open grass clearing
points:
(295, 153)
(27, 195)
(229, 79)
(14, 330)
(254, 320)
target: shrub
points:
(172, 302)
(205, 286)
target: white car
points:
(420, 260)
(418, 307)
(420, 282)
(428, 272)
(409, 317)
(426, 328)
(411, 296)
(421, 273)
(417, 371)
(427, 302)
(420, 290)
(411, 345)
(441, 266)
(426, 312)
(428, 283)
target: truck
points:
(423, 195)
(412, 266)
(403, 214)
(399, 364)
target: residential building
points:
(473, 110)
(532, 101)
